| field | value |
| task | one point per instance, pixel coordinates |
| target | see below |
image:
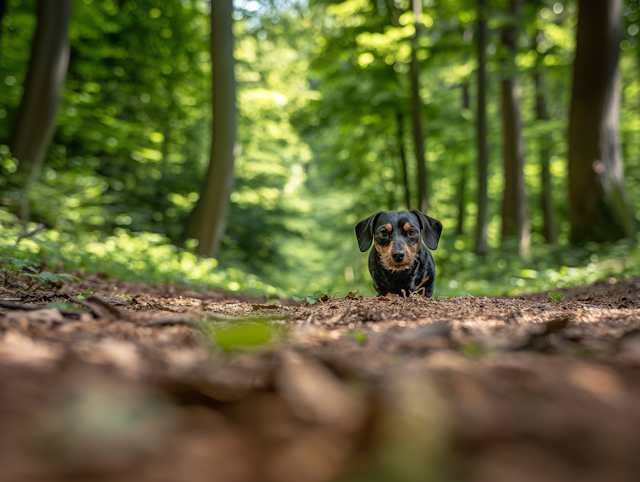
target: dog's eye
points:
(384, 233)
(412, 232)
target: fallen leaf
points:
(316, 394)
(48, 314)
(265, 307)
(166, 308)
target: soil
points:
(162, 384)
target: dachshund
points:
(399, 261)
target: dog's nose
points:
(398, 257)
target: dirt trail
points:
(349, 389)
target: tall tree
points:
(208, 219)
(481, 131)
(467, 35)
(416, 112)
(598, 205)
(514, 200)
(462, 188)
(550, 226)
(403, 160)
(3, 7)
(35, 124)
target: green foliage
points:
(556, 297)
(44, 277)
(311, 299)
(240, 335)
(143, 258)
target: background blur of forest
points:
(325, 123)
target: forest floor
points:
(176, 385)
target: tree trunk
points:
(550, 227)
(416, 113)
(481, 132)
(598, 206)
(462, 188)
(43, 86)
(3, 7)
(514, 201)
(403, 160)
(208, 219)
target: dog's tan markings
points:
(414, 249)
(410, 255)
(385, 253)
(406, 226)
(386, 258)
(388, 227)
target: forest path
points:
(166, 386)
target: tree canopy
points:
(324, 129)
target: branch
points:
(38, 228)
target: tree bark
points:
(3, 7)
(208, 219)
(514, 201)
(598, 204)
(403, 160)
(462, 188)
(481, 132)
(35, 124)
(416, 113)
(550, 226)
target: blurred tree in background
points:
(36, 119)
(599, 209)
(208, 218)
(342, 108)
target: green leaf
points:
(89, 291)
(68, 276)
(312, 298)
(358, 336)
(46, 276)
(556, 297)
(471, 349)
(247, 333)
(61, 305)
(125, 297)
(65, 306)
(80, 297)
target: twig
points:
(173, 320)
(423, 289)
(38, 228)
(19, 306)
(107, 306)
(97, 310)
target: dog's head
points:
(397, 236)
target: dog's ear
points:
(364, 231)
(431, 229)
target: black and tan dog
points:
(400, 261)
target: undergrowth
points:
(138, 257)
